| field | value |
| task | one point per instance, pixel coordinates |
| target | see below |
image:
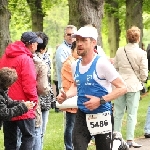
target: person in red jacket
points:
(18, 55)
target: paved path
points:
(145, 144)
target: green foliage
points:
(54, 23)
(146, 6)
(118, 13)
(56, 18)
(48, 4)
(20, 18)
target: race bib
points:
(99, 123)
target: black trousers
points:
(81, 135)
(57, 89)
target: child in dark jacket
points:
(8, 107)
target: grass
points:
(53, 139)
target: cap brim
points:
(39, 40)
(74, 35)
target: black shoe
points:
(57, 110)
(147, 135)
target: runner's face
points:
(84, 45)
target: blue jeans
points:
(70, 119)
(19, 135)
(45, 115)
(27, 128)
(37, 139)
(37, 145)
(147, 123)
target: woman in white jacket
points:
(131, 63)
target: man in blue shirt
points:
(64, 50)
(94, 76)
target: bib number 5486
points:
(99, 124)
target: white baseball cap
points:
(87, 32)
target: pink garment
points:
(17, 56)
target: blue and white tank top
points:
(86, 85)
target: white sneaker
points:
(134, 144)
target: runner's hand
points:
(93, 103)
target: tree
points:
(54, 26)
(38, 10)
(4, 26)
(134, 15)
(82, 12)
(112, 11)
(37, 14)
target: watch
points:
(102, 101)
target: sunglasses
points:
(69, 34)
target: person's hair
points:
(73, 46)
(45, 39)
(26, 43)
(7, 77)
(70, 27)
(133, 34)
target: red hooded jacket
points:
(17, 56)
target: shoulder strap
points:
(130, 64)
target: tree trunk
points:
(113, 26)
(36, 14)
(82, 12)
(4, 26)
(134, 15)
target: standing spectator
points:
(64, 51)
(55, 80)
(131, 63)
(67, 81)
(147, 122)
(8, 107)
(18, 55)
(43, 88)
(148, 56)
(93, 77)
(45, 100)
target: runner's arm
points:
(119, 90)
